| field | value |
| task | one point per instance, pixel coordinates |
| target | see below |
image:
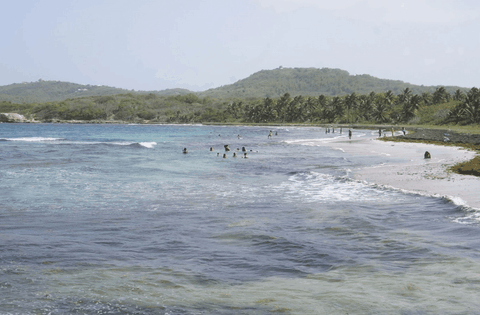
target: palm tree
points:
(405, 96)
(440, 95)
(350, 102)
(427, 98)
(459, 96)
(411, 107)
(379, 114)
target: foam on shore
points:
(405, 168)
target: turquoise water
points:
(114, 219)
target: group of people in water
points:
(227, 149)
(427, 154)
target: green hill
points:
(265, 83)
(312, 82)
(49, 91)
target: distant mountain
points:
(312, 82)
(47, 91)
(265, 83)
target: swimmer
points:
(270, 134)
(227, 148)
(211, 149)
(234, 154)
(349, 133)
(243, 149)
(185, 150)
(224, 155)
(245, 155)
(427, 155)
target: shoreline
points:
(415, 173)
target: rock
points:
(12, 117)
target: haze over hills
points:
(48, 91)
(313, 82)
(265, 83)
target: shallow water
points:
(114, 219)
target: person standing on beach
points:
(349, 133)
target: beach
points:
(415, 173)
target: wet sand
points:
(413, 172)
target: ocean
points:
(115, 219)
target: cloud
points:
(442, 12)
(428, 61)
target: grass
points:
(471, 167)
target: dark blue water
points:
(114, 219)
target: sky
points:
(201, 44)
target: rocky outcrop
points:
(12, 118)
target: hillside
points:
(49, 91)
(312, 82)
(265, 83)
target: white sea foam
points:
(33, 139)
(149, 145)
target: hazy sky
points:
(201, 44)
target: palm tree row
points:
(351, 108)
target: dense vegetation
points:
(265, 83)
(49, 91)
(312, 82)
(439, 107)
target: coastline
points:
(414, 173)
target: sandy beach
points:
(412, 172)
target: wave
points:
(32, 139)
(64, 141)
(325, 188)
(149, 145)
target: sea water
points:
(115, 219)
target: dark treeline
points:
(439, 107)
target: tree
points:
(282, 105)
(379, 114)
(459, 96)
(350, 103)
(468, 111)
(440, 95)
(405, 96)
(337, 109)
(410, 107)
(389, 98)
(427, 98)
